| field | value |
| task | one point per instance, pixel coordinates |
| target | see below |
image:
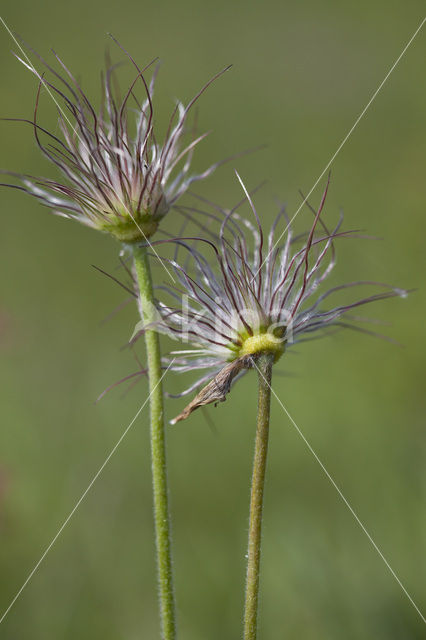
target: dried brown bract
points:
(218, 388)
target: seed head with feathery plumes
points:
(118, 178)
(255, 294)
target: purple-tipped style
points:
(254, 293)
(117, 177)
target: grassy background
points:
(302, 74)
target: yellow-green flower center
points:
(127, 229)
(263, 342)
(135, 224)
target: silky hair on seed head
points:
(250, 293)
(118, 178)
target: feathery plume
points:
(117, 177)
(253, 295)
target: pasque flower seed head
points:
(117, 177)
(254, 294)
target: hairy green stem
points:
(158, 449)
(264, 366)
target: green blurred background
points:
(302, 73)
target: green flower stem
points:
(264, 366)
(158, 450)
